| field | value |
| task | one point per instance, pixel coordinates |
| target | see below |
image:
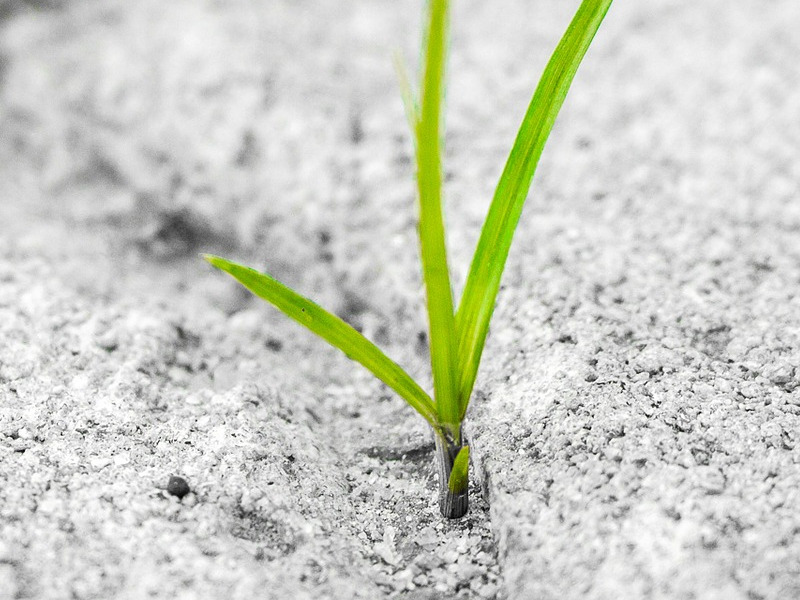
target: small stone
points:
(386, 550)
(653, 359)
(20, 445)
(384, 580)
(428, 562)
(704, 390)
(404, 580)
(712, 481)
(708, 537)
(779, 373)
(750, 390)
(100, 463)
(450, 556)
(723, 386)
(613, 453)
(427, 538)
(469, 571)
(178, 487)
(772, 434)
(385, 553)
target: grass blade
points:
(407, 94)
(459, 476)
(431, 223)
(333, 330)
(483, 281)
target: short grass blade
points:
(333, 330)
(483, 281)
(459, 476)
(431, 223)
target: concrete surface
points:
(635, 422)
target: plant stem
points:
(453, 504)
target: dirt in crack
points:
(391, 482)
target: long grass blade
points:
(483, 281)
(431, 223)
(333, 330)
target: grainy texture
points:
(636, 417)
(642, 412)
(641, 418)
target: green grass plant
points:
(457, 336)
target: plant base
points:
(452, 504)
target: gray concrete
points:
(634, 425)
